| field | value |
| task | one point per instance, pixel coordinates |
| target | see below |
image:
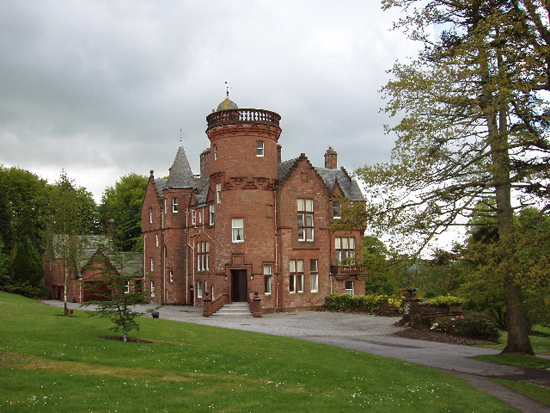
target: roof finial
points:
(227, 87)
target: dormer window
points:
(336, 209)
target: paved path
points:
(371, 334)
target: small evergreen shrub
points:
(470, 325)
(445, 300)
(360, 303)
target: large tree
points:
(121, 206)
(473, 126)
(70, 209)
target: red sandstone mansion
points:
(249, 225)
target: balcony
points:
(346, 270)
(243, 116)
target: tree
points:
(122, 205)
(117, 289)
(474, 126)
(69, 209)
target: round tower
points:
(243, 170)
(243, 142)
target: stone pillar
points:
(207, 304)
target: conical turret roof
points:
(180, 175)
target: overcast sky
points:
(101, 89)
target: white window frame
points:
(260, 149)
(171, 275)
(306, 220)
(150, 215)
(199, 289)
(157, 240)
(218, 193)
(268, 279)
(193, 217)
(345, 250)
(152, 289)
(126, 287)
(349, 291)
(296, 276)
(215, 152)
(211, 214)
(336, 209)
(152, 264)
(237, 230)
(314, 276)
(174, 205)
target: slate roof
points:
(331, 177)
(180, 175)
(127, 263)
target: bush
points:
(445, 300)
(470, 325)
(360, 303)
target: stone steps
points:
(234, 310)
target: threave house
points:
(249, 227)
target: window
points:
(193, 217)
(126, 287)
(203, 256)
(165, 209)
(200, 217)
(345, 250)
(259, 148)
(336, 209)
(174, 205)
(152, 266)
(171, 275)
(350, 287)
(268, 279)
(152, 289)
(238, 229)
(313, 276)
(157, 240)
(215, 152)
(150, 215)
(199, 289)
(218, 192)
(305, 219)
(296, 280)
(211, 215)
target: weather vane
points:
(227, 87)
(181, 137)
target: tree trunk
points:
(516, 316)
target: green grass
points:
(540, 340)
(516, 360)
(534, 391)
(51, 363)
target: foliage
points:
(445, 300)
(114, 286)
(470, 325)
(52, 364)
(360, 303)
(122, 205)
(473, 126)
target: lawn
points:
(51, 363)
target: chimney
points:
(205, 163)
(331, 158)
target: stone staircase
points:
(234, 310)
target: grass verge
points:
(51, 363)
(534, 391)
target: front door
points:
(239, 288)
